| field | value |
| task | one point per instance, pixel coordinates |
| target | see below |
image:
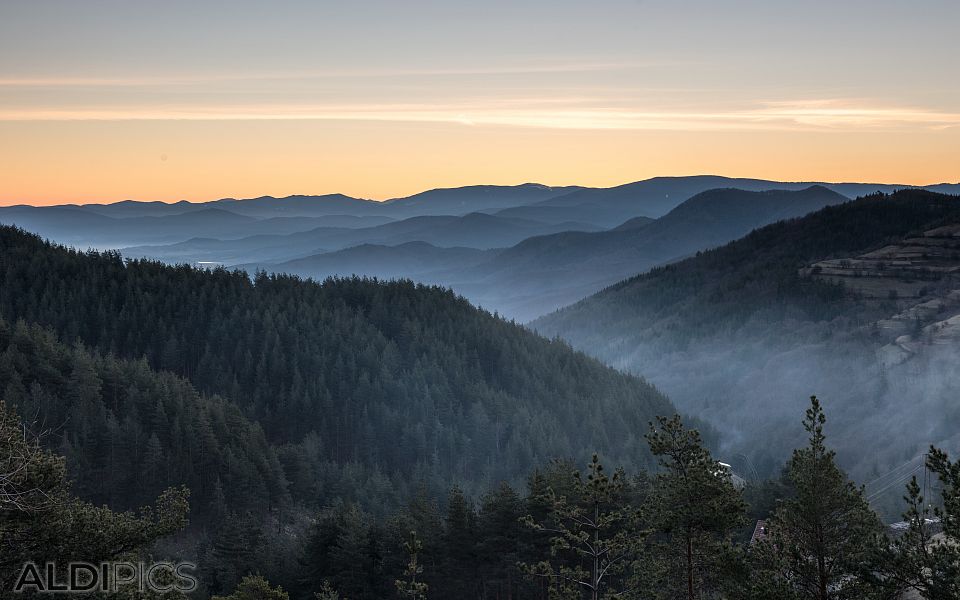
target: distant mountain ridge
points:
(609, 207)
(656, 196)
(474, 230)
(475, 198)
(544, 272)
(561, 243)
(547, 272)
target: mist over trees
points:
(736, 334)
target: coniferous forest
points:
(254, 426)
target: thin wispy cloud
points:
(846, 113)
(550, 113)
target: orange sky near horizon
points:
(53, 163)
(108, 100)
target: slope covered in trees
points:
(731, 332)
(403, 380)
(128, 432)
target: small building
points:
(737, 481)
(759, 532)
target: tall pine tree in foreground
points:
(594, 536)
(695, 510)
(822, 540)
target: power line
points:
(894, 470)
(898, 480)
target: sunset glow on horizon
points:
(106, 101)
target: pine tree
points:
(458, 546)
(409, 587)
(153, 460)
(327, 592)
(821, 539)
(501, 536)
(593, 535)
(695, 509)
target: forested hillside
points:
(129, 432)
(405, 381)
(740, 333)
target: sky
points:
(103, 101)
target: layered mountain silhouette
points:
(589, 208)
(474, 230)
(609, 207)
(554, 245)
(474, 198)
(538, 274)
(544, 273)
(82, 228)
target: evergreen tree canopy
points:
(821, 540)
(696, 509)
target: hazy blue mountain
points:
(474, 198)
(300, 206)
(608, 207)
(137, 208)
(77, 227)
(294, 224)
(544, 273)
(476, 230)
(262, 207)
(56, 222)
(572, 207)
(530, 278)
(419, 261)
(441, 201)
